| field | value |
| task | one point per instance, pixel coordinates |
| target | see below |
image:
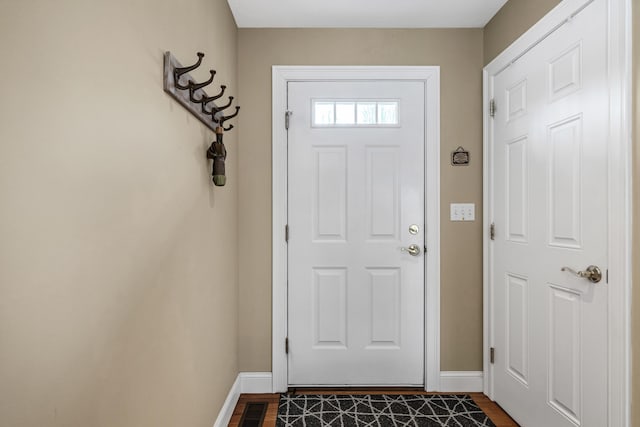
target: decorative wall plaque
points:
(460, 157)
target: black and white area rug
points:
(380, 411)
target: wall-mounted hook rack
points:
(191, 94)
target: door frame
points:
(281, 76)
(619, 203)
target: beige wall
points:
(459, 54)
(511, 21)
(118, 279)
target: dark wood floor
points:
(493, 411)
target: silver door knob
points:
(592, 273)
(413, 250)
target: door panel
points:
(549, 159)
(565, 161)
(356, 185)
(329, 189)
(384, 291)
(517, 192)
(517, 328)
(383, 193)
(564, 352)
(329, 301)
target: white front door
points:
(549, 156)
(356, 202)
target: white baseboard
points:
(255, 382)
(461, 381)
(246, 382)
(224, 416)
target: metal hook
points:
(208, 99)
(223, 119)
(227, 129)
(179, 71)
(194, 87)
(215, 110)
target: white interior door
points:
(549, 156)
(356, 200)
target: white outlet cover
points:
(463, 212)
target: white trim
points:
(431, 77)
(224, 416)
(279, 221)
(461, 381)
(620, 212)
(255, 382)
(619, 206)
(245, 383)
(487, 248)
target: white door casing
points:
(356, 300)
(557, 188)
(429, 78)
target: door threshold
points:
(358, 390)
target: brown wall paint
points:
(459, 54)
(118, 258)
(511, 21)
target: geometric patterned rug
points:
(380, 411)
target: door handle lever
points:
(592, 273)
(413, 250)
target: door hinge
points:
(286, 233)
(286, 345)
(492, 231)
(287, 115)
(492, 108)
(492, 355)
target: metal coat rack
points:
(191, 95)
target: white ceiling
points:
(363, 13)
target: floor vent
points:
(253, 414)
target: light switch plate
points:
(463, 212)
